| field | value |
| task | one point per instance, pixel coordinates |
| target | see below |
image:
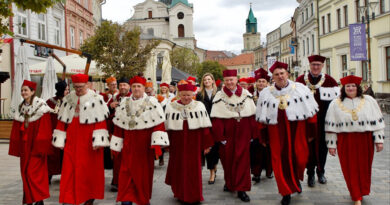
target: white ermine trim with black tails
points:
(147, 113)
(160, 138)
(195, 113)
(93, 109)
(331, 139)
(229, 107)
(329, 93)
(100, 138)
(59, 138)
(301, 104)
(369, 116)
(116, 143)
(379, 136)
(35, 110)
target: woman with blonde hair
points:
(206, 94)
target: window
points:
(22, 22)
(344, 65)
(247, 70)
(72, 37)
(81, 34)
(312, 43)
(181, 30)
(327, 61)
(381, 6)
(323, 24)
(57, 31)
(307, 13)
(329, 30)
(365, 70)
(312, 9)
(150, 14)
(86, 2)
(388, 62)
(238, 70)
(180, 15)
(303, 18)
(357, 11)
(42, 27)
(150, 31)
(307, 44)
(338, 18)
(345, 16)
(304, 51)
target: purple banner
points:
(357, 42)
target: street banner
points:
(357, 42)
(271, 60)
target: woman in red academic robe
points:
(54, 160)
(354, 125)
(188, 129)
(30, 140)
(139, 127)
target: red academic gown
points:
(184, 173)
(137, 165)
(235, 154)
(32, 145)
(54, 160)
(117, 156)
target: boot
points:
(286, 200)
(311, 181)
(243, 196)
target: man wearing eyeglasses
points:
(324, 89)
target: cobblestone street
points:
(335, 192)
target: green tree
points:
(212, 67)
(117, 51)
(185, 59)
(34, 5)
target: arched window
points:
(181, 30)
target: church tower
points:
(251, 36)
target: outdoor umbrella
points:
(49, 80)
(21, 73)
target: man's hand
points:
(206, 151)
(379, 147)
(114, 105)
(332, 151)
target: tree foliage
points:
(212, 67)
(34, 5)
(117, 51)
(185, 59)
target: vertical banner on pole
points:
(357, 42)
(271, 60)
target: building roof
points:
(185, 2)
(215, 55)
(243, 59)
(251, 17)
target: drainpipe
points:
(318, 28)
(11, 27)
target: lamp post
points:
(365, 13)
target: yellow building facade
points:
(333, 21)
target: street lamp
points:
(365, 13)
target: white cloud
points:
(219, 24)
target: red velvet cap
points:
(251, 80)
(186, 87)
(230, 73)
(218, 82)
(351, 79)
(30, 84)
(164, 84)
(243, 80)
(278, 64)
(138, 79)
(191, 78)
(79, 78)
(316, 58)
(261, 73)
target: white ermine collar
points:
(233, 107)
(33, 111)
(138, 114)
(92, 108)
(296, 99)
(195, 113)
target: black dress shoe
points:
(311, 181)
(286, 200)
(300, 188)
(256, 179)
(243, 196)
(39, 203)
(270, 176)
(225, 188)
(321, 179)
(126, 203)
(89, 202)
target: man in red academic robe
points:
(234, 126)
(188, 128)
(54, 160)
(324, 89)
(260, 150)
(139, 127)
(124, 91)
(285, 109)
(30, 140)
(81, 122)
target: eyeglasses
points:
(316, 64)
(78, 86)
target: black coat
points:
(208, 103)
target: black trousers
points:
(212, 157)
(320, 160)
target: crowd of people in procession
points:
(252, 124)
